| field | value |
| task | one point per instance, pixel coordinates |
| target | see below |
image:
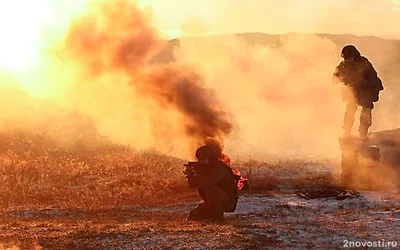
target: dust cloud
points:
(282, 99)
(100, 70)
(255, 100)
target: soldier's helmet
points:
(174, 43)
(206, 152)
(350, 51)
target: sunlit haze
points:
(92, 56)
(360, 17)
(23, 23)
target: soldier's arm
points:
(337, 75)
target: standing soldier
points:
(361, 88)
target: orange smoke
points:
(225, 159)
(241, 182)
(117, 38)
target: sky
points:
(22, 22)
(200, 17)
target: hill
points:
(369, 45)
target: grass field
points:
(114, 197)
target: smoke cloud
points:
(254, 100)
(282, 99)
(117, 40)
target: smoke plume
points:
(117, 39)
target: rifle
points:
(192, 170)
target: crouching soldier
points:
(216, 184)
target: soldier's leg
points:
(365, 122)
(348, 121)
(215, 198)
(199, 213)
(212, 207)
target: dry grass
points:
(288, 173)
(97, 196)
(35, 173)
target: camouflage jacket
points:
(359, 74)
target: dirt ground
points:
(286, 219)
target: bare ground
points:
(274, 219)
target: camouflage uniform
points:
(217, 186)
(362, 86)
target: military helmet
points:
(174, 43)
(206, 152)
(350, 51)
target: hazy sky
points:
(365, 17)
(22, 22)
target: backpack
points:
(376, 90)
(231, 188)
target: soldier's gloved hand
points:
(336, 79)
